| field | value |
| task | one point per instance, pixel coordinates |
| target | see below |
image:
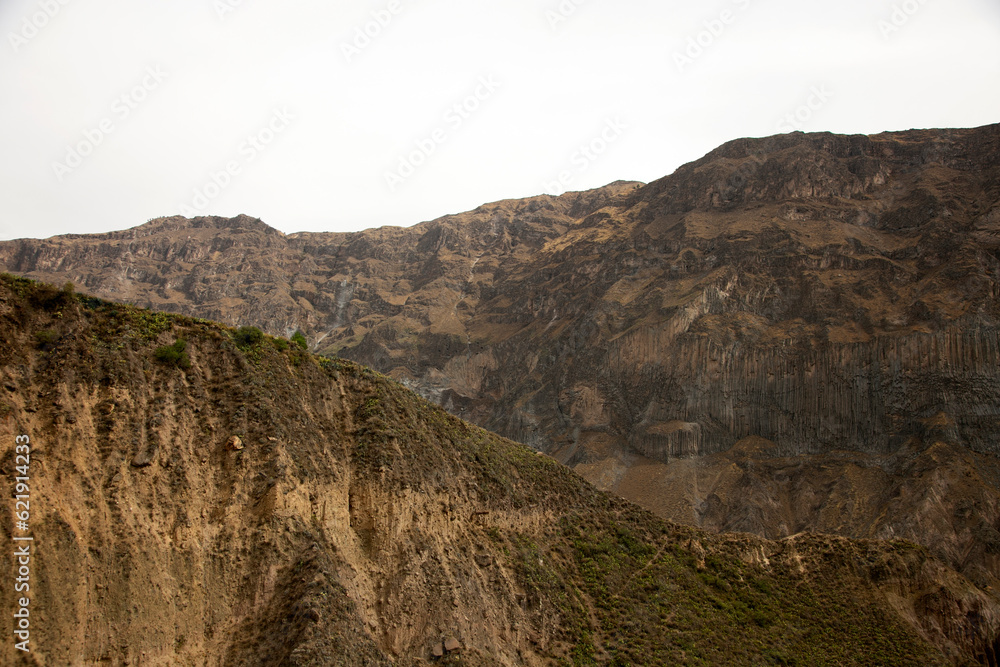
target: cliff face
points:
(250, 504)
(792, 333)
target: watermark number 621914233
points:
(22, 542)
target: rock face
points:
(361, 525)
(793, 333)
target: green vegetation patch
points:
(251, 341)
(657, 605)
(46, 338)
(246, 338)
(174, 355)
(117, 325)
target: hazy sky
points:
(332, 116)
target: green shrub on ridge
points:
(248, 337)
(174, 355)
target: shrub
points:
(280, 344)
(46, 338)
(247, 337)
(299, 339)
(329, 364)
(50, 297)
(174, 355)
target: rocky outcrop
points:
(830, 295)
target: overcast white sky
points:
(113, 112)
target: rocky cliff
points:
(242, 502)
(792, 333)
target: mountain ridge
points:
(706, 345)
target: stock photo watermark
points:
(585, 155)
(900, 16)
(249, 150)
(22, 542)
(365, 34)
(456, 116)
(121, 109)
(714, 29)
(34, 24)
(225, 7)
(727, 188)
(797, 119)
(563, 12)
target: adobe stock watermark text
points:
(22, 543)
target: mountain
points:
(796, 333)
(207, 496)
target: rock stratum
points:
(244, 502)
(792, 333)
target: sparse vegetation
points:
(248, 337)
(41, 295)
(46, 338)
(252, 342)
(330, 365)
(174, 355)
(117, 325)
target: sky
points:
(341, 116)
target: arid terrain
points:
(797, 333)
(208, 496)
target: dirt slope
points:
(353, 523)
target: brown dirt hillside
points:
(353, 523)
(795, 333)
